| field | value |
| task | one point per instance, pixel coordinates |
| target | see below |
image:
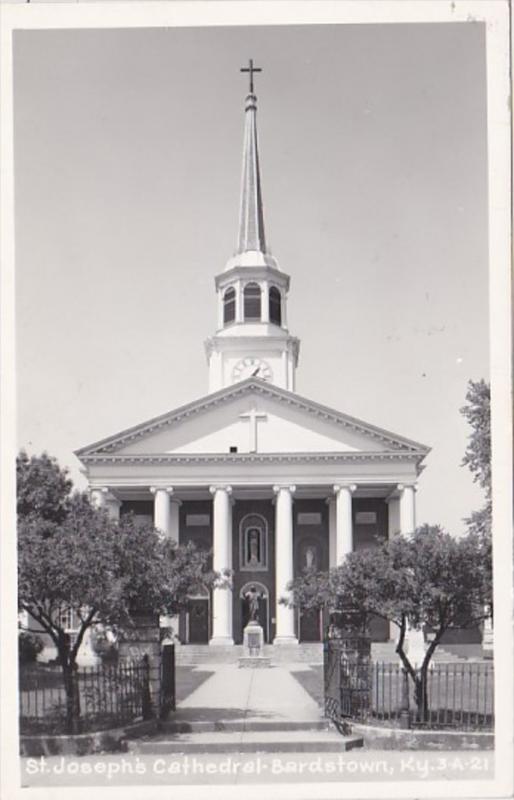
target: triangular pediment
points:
(252, 417)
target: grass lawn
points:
(42, 694)
(187, 680)
(462, 693)
(312, 682)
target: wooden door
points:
(310, 625)
(199, 621)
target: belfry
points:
(252, 339)
(267, 480)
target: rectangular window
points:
(66, 619)
(366, 518)
(309, 518)
(197, 520)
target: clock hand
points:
(255, 372)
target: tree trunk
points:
(71, 685)
(421, 694)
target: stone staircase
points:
(305, 653)
(194, 655)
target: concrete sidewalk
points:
(250, 694)
(247, 711)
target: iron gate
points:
(347, 677)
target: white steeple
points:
(252, 338)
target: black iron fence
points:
(106, 696)
(457, 695)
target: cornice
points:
(249, 458)
(258, 271)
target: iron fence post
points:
(167, 678)
(146, 695)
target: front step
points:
(192, 655)
(305, 653)
(279, 741)
(175, 726)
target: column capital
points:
(402, 486)
(220, 488)
(288, 487)
(350, 487)
(168, 489)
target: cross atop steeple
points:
(251, 217)
(250, 69)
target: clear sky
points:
(127, 168)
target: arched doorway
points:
(263, 615)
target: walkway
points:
(250, 695)
(247, 711)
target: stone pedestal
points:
(253, 643)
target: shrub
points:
(29, 647)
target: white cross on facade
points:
(253, 418)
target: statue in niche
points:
(310, 558)
(252, 597)
(253, 548)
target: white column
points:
(222, 559)
(414, 639)
(290, 374)
(264, 301)
(332, 532)
(102, 497)
(113, 505)
(175, 504)
(344, 522)
(284, 309)
(393, 528)
(407, 508)
(393, 516)
(239, 301)
(284, 572)
(97, 497)
(221, 292)
(161, 508)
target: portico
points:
(304, 523)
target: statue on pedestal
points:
(252, 597)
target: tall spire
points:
(251, 217)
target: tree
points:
(428, 579)
(73, 557)
(477, 457)
(43, 488)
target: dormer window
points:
(229, 306)
(252, 301)
(275, 306)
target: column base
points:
(221, 641)
(282, 640)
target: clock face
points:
(251, 368)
